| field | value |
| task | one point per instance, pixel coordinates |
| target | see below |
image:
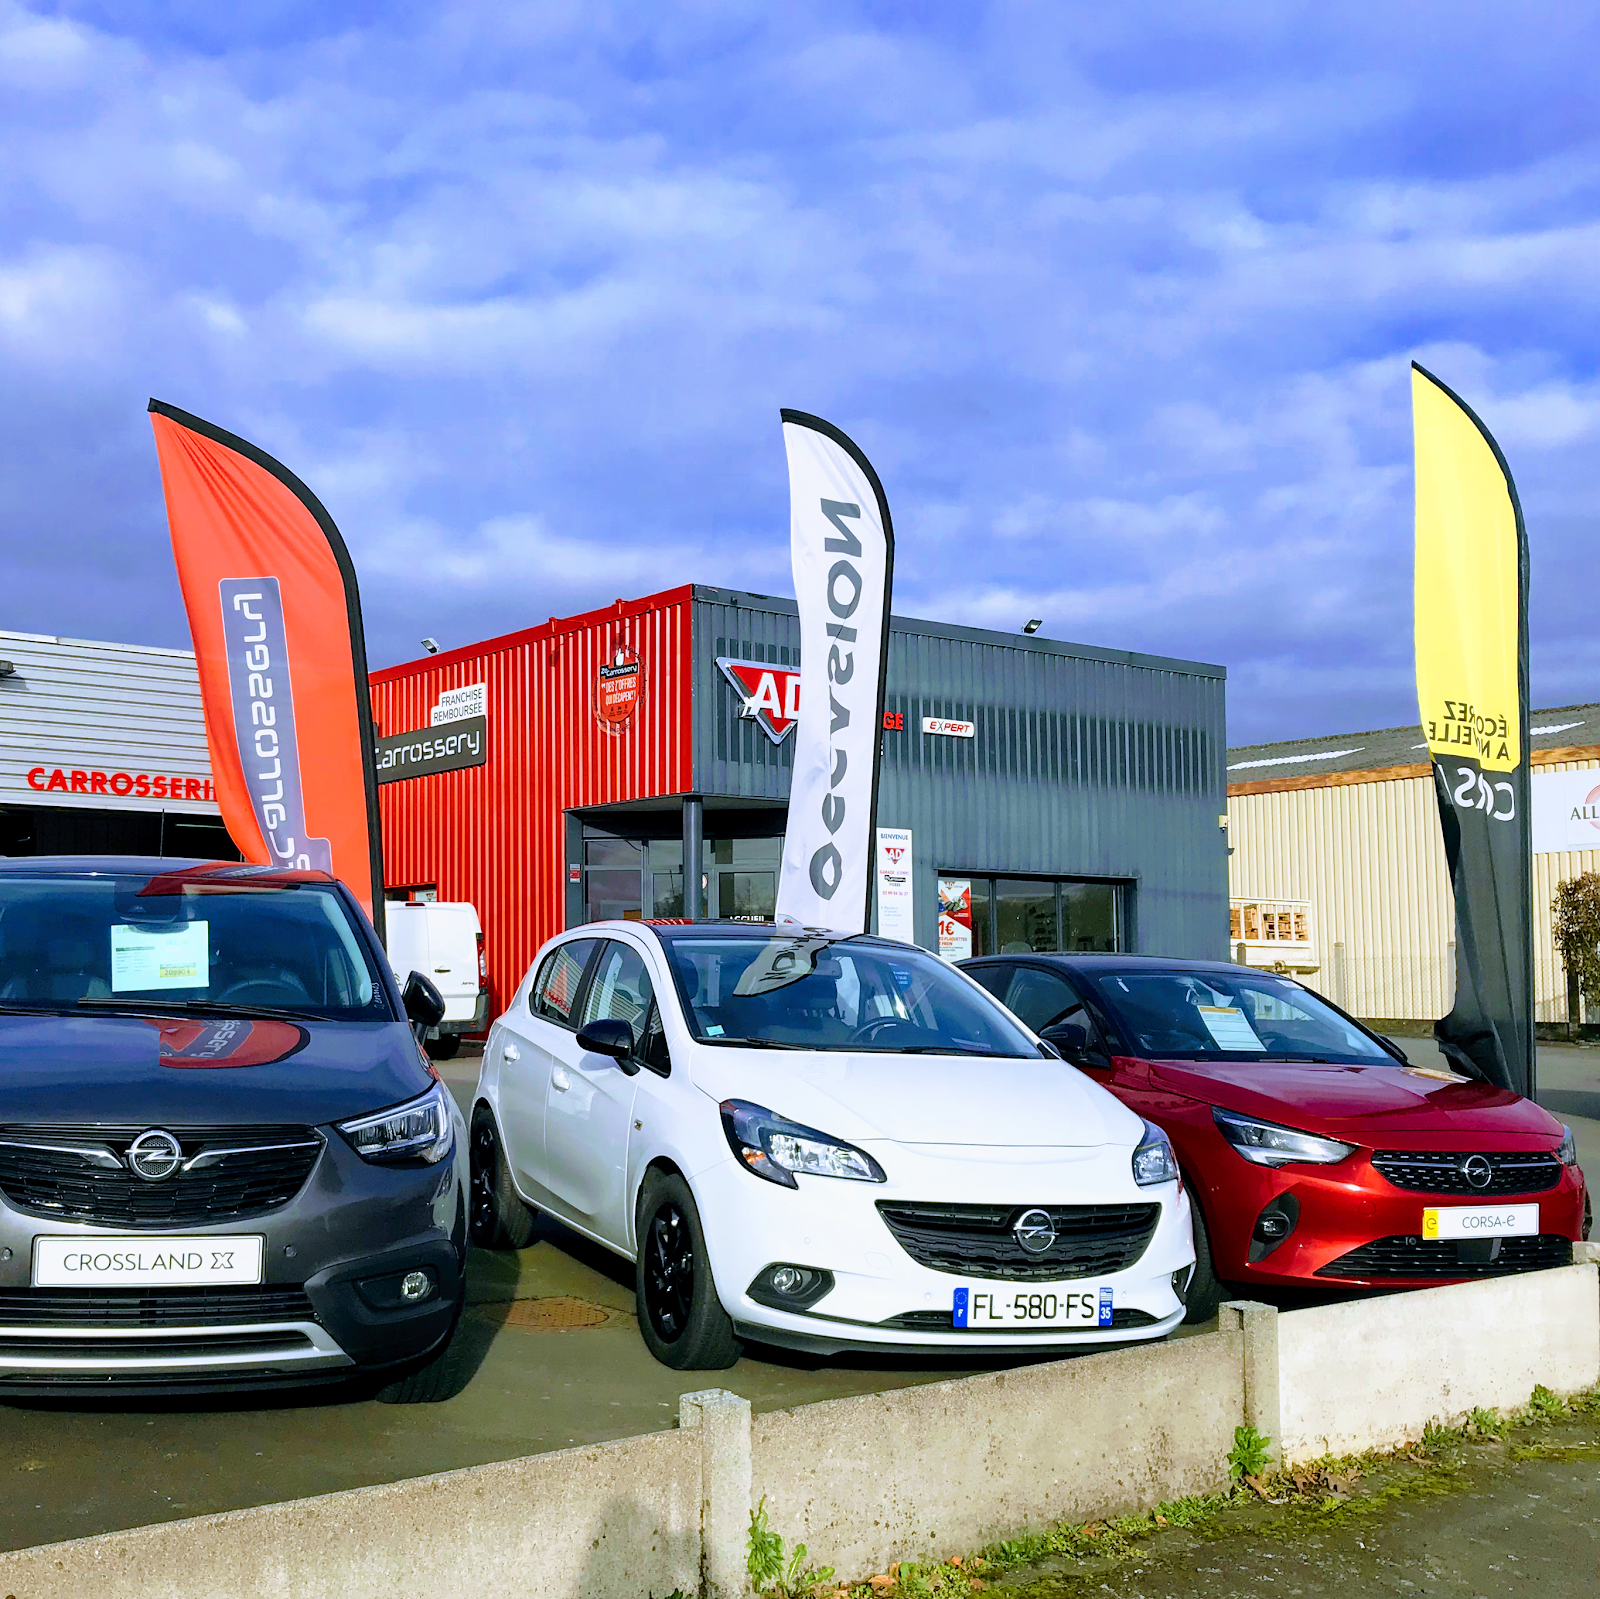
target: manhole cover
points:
(556, 1314)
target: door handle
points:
(560, 1081)
(511, 1053)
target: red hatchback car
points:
(1315, 1154)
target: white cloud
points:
(1122, 321)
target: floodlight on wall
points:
(7, 669)
(431, 645)
(1034, 625)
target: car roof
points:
(668, 928)
(1089, 964)
(155, 866)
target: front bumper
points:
(882, 1299)
(1356, 1229)
(323, 1312)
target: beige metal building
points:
(1337, 868)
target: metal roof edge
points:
(925, 628)
(9, 636)
(554, 627)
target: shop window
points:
(613, 886)
(625, 878)
(1027, 915)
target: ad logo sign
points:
(768, 694)
(263, 719)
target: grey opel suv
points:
(225, 1161)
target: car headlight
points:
(1267, 1144)
(777, 1149)
(419, 1130)
(1569, 1147)
(1153, 1160)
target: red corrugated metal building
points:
(573, 771)
(494, 834)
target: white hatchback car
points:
(823, 1142)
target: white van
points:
(444, 942)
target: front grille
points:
(1424, 1257)
(1439, 1172)
(941, 1321)
(977, 1240)
(253, 1178)
(141, 1307)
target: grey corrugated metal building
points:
(1058, 796)
(103, 750)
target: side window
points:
(1039, 997)
(621, 989)
(994, 978)
(653, 1051)
(556, 991)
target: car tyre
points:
(680, 1317)
(441, 1376)
(445, 1047)
(1205, 1292)
(499, 1218)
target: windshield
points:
(160, 943)
(808, 992)
(1189, 1016)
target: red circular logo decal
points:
(617, 688)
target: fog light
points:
(416, 1285)
(789, 1287)
(1273, 1225)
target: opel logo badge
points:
(1035, 1231)
(154, 1155)
(1477, 1171)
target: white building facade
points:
(1338, 840)
(103, 751)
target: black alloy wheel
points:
(680, 1317)
(497, 1216)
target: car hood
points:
(923, 1099)
(201, 1071)
(1383, 1103)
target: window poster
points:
(955, 918)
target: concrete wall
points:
(613, 1521)
(950, 1467)
(928, 1471)
(1372, 1373)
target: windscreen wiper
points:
(754, 1043)
(198, 1007)
(36, 1007)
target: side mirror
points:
(1071, 1041)
(610, 1035)
(423, 1002)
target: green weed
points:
(1249, 1455)
(1486, 1423)
(1545, 1405)
(769, 1572)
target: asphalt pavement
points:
(555, 1356)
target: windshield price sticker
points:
(1229, 1028)
(1031, 1307)
(147, 958)
(1480, 1221)
(143, 1262)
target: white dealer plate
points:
(1480, 1221)
(1020, 1306)
(145, 1262)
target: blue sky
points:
(1119, 299)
